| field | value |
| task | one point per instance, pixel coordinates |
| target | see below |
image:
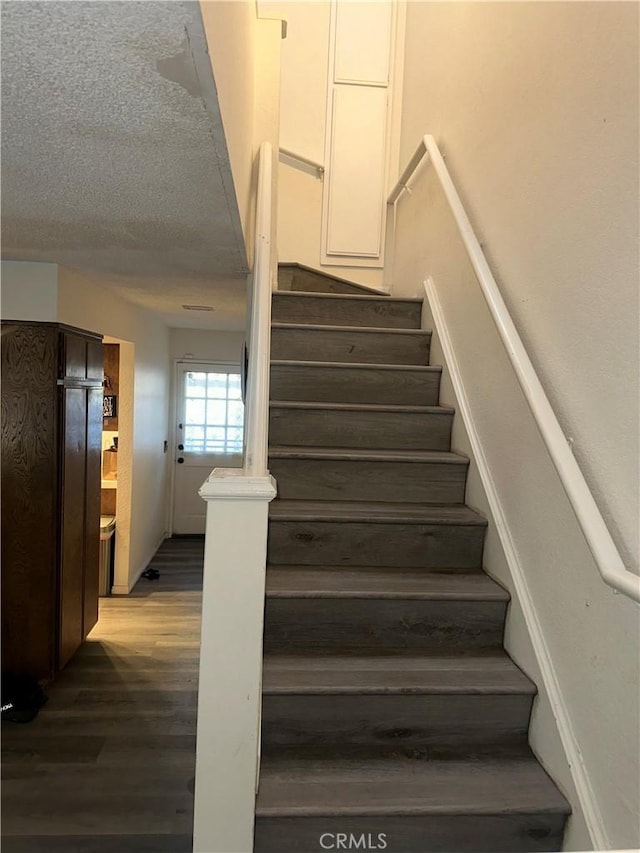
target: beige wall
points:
(535, 106)
(145, 380)
(245, 59)
(536, 109)
(230, 31)
(303, 89)
(267, 110)
(29, 291)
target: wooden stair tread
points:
(377, 330)
(387, 692)
(311, 785)
(321, 674)
(345, 309)
(356, 365)
(367, 455)
(311, 582)
(359, 407)
(375, 512)
(364, 297)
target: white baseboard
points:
(125, 590)
(573, 754)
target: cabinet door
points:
(92, 509)
(72, 516)
(28, 496)
(75, 356)
(95, 361)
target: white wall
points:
(29, 291)
(535, 106)
(144, 371)
(205, 345)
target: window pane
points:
(216, 412)
(217, 385)
(194, 411)
(236, 413)
(194, 439)
(234, 440)
(234, 386)
(215, 440)
(195, 384)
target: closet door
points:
(72, 505)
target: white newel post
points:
(229, 698)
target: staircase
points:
(393, 719)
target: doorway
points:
(118, 425)
(208, 434)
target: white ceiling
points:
(113, 154)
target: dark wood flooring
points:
(108, 764)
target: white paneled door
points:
(357, 142)
(209, 434)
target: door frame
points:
(173, 415)
(123, 583)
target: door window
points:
(214, 412)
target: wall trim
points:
(573, 753)
(120, 589)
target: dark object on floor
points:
(151, 574)
(22, 698)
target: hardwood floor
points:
(108, 764)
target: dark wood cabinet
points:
(50, 491)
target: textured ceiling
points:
(113, 155)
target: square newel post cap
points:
(236, 484)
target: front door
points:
(209, 434)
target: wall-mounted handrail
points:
(257, 405)
(304, 164)
(605, 553)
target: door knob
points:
(180, 460)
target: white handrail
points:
(257, 420)
(297, 161)
(605, 553)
